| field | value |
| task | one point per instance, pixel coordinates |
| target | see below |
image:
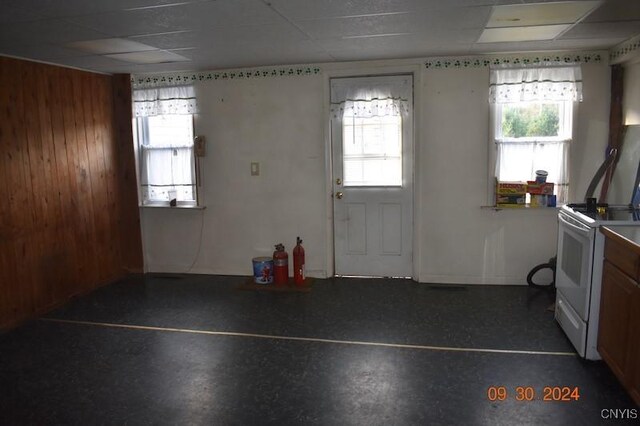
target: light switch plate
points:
(255, 168)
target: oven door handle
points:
(578, 227)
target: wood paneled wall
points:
(65, 187)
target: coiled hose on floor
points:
(549, 265)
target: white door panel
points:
(356, 228)
(373, 176)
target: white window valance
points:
(371, 97)
(164, 101)
(536, 84)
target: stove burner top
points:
(606, 212)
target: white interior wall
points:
(276, 122)
(281, 122)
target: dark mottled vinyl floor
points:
(198, 352)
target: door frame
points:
(372, 71)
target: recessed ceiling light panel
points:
(109, 45)
(503, 35)
(149, 57)
(521, 15)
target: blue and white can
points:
(263, 270)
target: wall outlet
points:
(255, 168)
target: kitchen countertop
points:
(628, 235)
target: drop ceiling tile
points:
(40, 51)
(108, 46)
(149, 57)
(626, 29)
(257, 54)
(453, 38)
(65, 8)
(55, 31)
(541, 46)
(12, 12)
(616, 10)
(94, 62)
(270, 33)
(313, 9)
(509, 34)
(399, 52)
(125, 68)
(192, 16)
(418, 22)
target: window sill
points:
(526, 207)
(167, 206)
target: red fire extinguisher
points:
(298, 263)
(280, 266)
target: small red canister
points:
(280, 266)
(298, 263)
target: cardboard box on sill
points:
(511, 188)
(540, 188)
(510, 200)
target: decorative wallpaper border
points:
(620, 51)
(450, 62)
(483, 61)
(243, 74)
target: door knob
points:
(339, 195)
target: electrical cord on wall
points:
(199, 243)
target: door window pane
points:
(372, 151)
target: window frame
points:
(568, 116)
(141, 132)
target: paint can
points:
(541, 176)
(263, 270)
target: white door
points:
(372, 142)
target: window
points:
(532, 136)
(164, 123)
(372, 150)
(532, 129)
(167, 162)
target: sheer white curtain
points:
(535, 84)
(164, 101)
(517, 159)
(165, 133)
(371, 97)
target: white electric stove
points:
(579, 269)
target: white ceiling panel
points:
(540, 32)
(626, 29)
(401, 23)
(41, 52)
(398, 52)
(100, 63)
(541, 46)
(127, 68)
(66, 8)
(615, 10)
(48, 30)
(13, 12)
(421, 44)
(312, 9)
(268, 33)
(192, 16)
